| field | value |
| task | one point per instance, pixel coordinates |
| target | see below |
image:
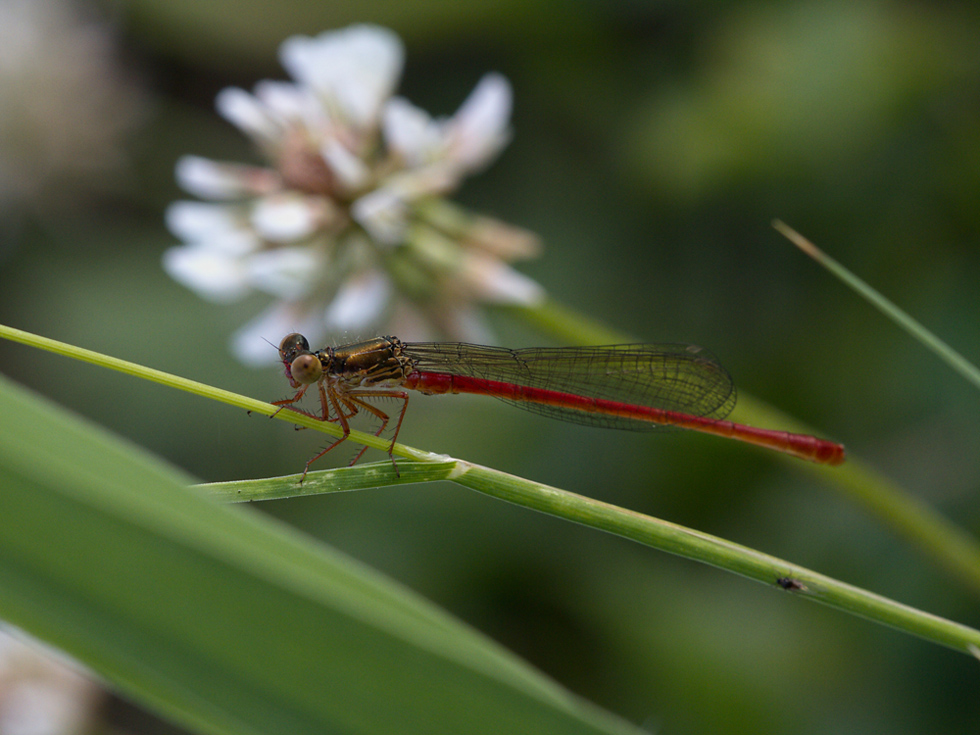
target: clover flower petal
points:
(348, 225)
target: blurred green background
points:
(654, 143)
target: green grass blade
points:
(205, 391)
(343, 479)
(652, 532)
(721, 553)
(226, 621)
(929, 340)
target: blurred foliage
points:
(654, 143)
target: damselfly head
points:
(302, 366)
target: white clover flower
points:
(42, 692)
(348, 227)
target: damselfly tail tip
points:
(832, 454)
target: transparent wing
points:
(673, 377)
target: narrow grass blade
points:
(929, 340)
(202, 389)
(652, 532)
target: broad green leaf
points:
(229, 622)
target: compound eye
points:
(306, 369)
(293, 344)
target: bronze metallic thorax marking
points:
(376, 362)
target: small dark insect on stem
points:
(793, 585)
